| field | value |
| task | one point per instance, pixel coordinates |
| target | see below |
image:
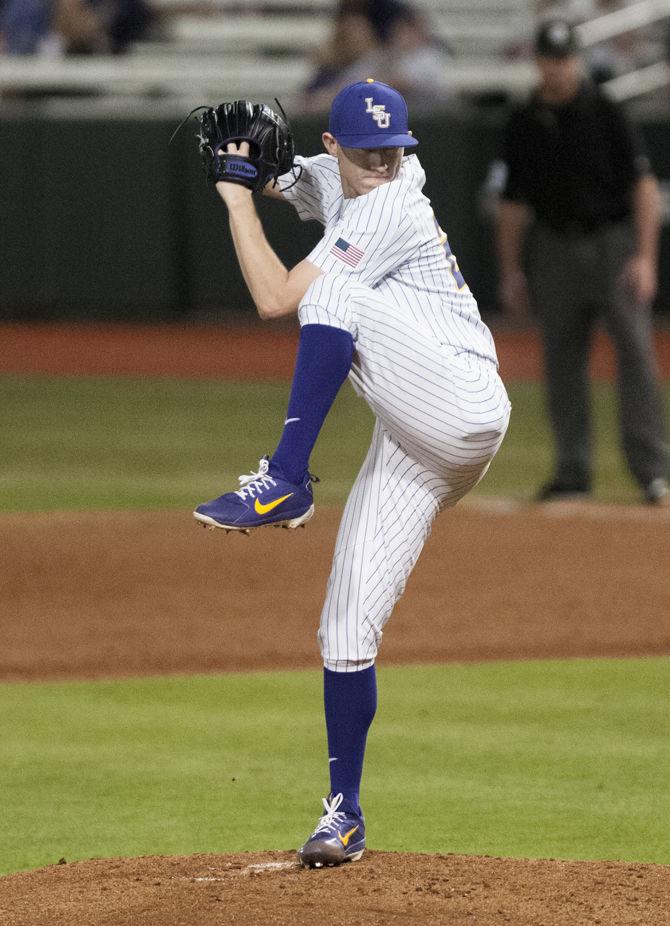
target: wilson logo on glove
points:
(243, 168)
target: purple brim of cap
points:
(380, 140)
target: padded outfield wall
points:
(102, 219)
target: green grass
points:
(122, 443)
(537, 759)
(160, 443)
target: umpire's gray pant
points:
(575, 279)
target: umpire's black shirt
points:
(575, 164)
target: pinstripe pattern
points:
(427, 367)
(405, 258)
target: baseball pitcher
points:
(380, 300)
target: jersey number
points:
(451, 260)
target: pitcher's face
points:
(363, 169)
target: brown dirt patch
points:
(106, 594)
(230, 352)
(384, 888)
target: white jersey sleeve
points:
(373, 235)
(318, 184)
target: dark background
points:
(104, 220)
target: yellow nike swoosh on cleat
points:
(263, 509)
(347, 836)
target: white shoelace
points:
(332, 818)
(256, 482)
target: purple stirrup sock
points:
(350, 700)
(322, 365)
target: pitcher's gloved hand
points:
(271, 148)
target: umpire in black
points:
(578, 168)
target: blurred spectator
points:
(383, 14)
(80, 27)
(415, 63)
(25, 26)
(387, 40)
(129, 21)
(100, 26)
(350, 51)
(57, 27)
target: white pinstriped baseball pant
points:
(441, 417)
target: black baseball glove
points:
(271, 147)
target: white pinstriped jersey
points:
(389, 239)
(425, 364)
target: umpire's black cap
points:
(556, 38)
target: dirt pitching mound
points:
(382, 889)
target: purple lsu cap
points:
(370, 114)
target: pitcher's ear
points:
(329, 143)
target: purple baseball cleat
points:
(263, 499)
(339, 837)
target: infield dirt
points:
(154, 593)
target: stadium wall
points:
(104, 220)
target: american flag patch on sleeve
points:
(347, 252)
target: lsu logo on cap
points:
(378, 113)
